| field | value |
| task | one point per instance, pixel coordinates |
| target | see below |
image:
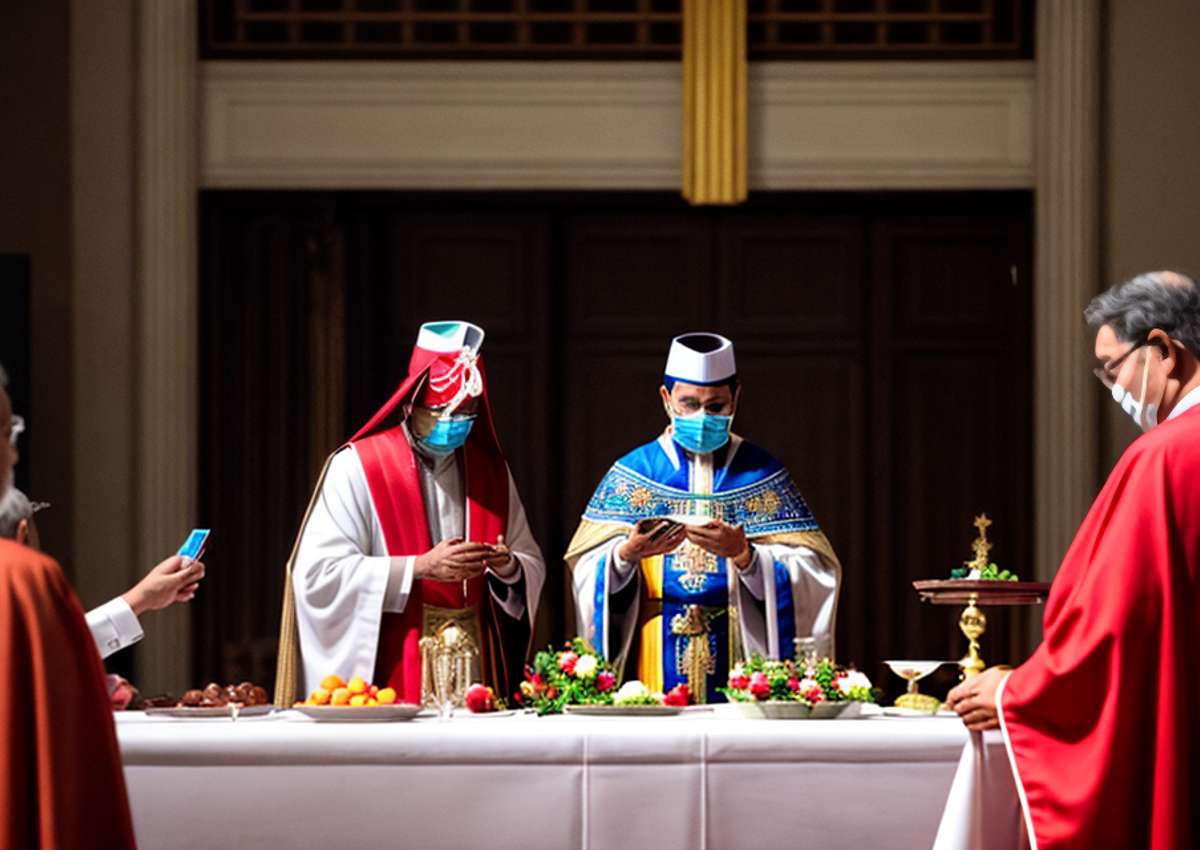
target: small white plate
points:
(193, 712)
(623, 710)
(359, 714)
(480, 715)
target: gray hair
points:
(1169, 301)
(14, 507)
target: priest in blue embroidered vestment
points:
(697, 548)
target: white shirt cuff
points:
(622, 570)
(114, 626)
(516, 576)
(754, 575)
(400, 579)
(511, 602)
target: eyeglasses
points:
(1107, 374)
(15, 429)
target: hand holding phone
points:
(193, 547)
(652, 536)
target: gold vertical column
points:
(714, 101)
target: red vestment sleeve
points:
(61, 782)
(1101, 721)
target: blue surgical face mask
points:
(448, 434)
(702, 432)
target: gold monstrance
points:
(976, 593)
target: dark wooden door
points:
(882, 341)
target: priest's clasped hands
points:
(715, 536)
(455, 559)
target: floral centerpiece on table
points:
(578, 675)
(821, 681)
(574, 675)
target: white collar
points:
(667, 444)
(1186, 403)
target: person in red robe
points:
(61, 782)
(1100, 723)
(416, 523)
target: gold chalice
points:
(912, 672)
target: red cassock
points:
(61, 783)
(391, 472)
(1101, 722)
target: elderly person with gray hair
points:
(1100, 722)
(114, 625)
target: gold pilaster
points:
(714, 101)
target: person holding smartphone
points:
(415, 524)
(116, 624)
(697, 549)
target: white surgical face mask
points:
(1145, 416)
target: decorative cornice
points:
(583, 125)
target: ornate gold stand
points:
(977, 592)
(973, 624)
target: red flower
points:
(567, 661)
(793, 684)
(678, 695)
(739, 680)
(760, 686)
(814, 695)
(605, 681)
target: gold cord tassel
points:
(714, 101)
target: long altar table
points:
(699, 780)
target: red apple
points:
(479, 699)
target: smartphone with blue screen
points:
(193, 547)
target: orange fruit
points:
(358, 700)
(332, 683)
(340, 696)
(373, 691)
(319, 697)
(372, 701)
(356, 685)
(386, 696)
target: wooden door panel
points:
(791, 276)
(951, 278)
(637, 275)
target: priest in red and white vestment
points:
(1101, 723)
(415, 522)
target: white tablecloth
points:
(701, 780)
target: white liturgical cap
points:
(701, 358)
(447, 337)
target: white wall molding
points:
(578, 125)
